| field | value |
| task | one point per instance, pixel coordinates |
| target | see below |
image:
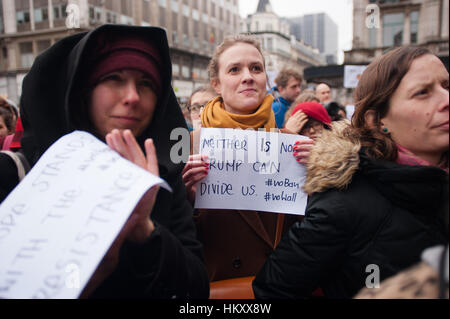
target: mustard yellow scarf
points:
(214, 115)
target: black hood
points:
(51, 98)
(337, 159)
(422, 190)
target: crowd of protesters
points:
(377, 186)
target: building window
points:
(174, 37)
(269, 44)
(26, 54)
(162, 3)
(56, 12)
(414, 20)
(40, 14)
(205, 45)
(196, 44)
(64, 10)
(195, 15)
(174, 5)
(23, 17)
(196, 73)
(393, 29)
(175, 69)
(204, 74)
(186, 40)
(185, 10)
(45, 14)
(162, 17)
(91, 13)
(185, 72)
(205, 18)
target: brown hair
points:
(206, 89)
(9, 114)
(375, 88)
(305, 96)
(213, 67)
(283, 77)
(8, 118)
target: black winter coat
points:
(170, 263)
(377, 222)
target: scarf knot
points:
(215, 115)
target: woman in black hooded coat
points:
(54, 102)
(378, 189)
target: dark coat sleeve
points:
(310, 252)
(170, 264)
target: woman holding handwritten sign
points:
(236, 242)
(378, 189)
(115, 82)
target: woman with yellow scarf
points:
(236, 243)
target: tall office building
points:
(319, 31)
(194, 28)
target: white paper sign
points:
(352, 74)
(251, 170)
(58, 223)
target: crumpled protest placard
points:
(58, 223)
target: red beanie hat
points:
(126, 53)
(314, 110)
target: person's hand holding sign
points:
(302, 150)
(139, 226)
(195, 170)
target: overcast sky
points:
(340, 11)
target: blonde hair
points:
(305, 96)
(228, 42)
(201, 89)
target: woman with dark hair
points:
(6, 123)
(114, 82)
(335, 111)
(378, 189)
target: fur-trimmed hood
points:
(337, 158)
(333, 161)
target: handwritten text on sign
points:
(58, 223)
(251, 170)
